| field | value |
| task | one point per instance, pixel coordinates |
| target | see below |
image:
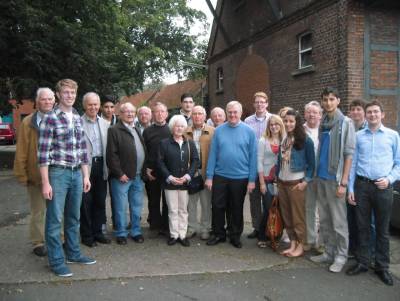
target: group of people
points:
(71, 161)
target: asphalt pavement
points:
(155, 271)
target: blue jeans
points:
(66, 203)
(131, 192)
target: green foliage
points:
(107, 46)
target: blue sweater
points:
(233, 153)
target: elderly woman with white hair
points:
(177, 162)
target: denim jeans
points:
(266, 202)
(66, 203)
(130, 193)
(369, 197)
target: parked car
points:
(395, 217)
(7, 133)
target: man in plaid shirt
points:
(63, 162)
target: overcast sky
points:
(200, 5)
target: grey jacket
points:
(103, 125)
(347, 146)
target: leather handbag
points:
(196, 184)
(274, 228)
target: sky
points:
(200, 5)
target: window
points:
(220, 79)
(305, 50)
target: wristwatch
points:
(343, 185)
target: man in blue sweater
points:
(231, 172)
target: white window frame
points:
(220, 79)
(302, 51)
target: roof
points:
(170, 95)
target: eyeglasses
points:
(275, 124)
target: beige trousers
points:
(38, 210)
(292, 205)
(177, 201)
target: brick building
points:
(292, 49)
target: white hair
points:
(42, 90)
(234, 103)
(175, 119)
(313, 103)
(87, 95)
(201, 108)
(126, 105)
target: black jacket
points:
(173, 160)
(121, 152)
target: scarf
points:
(334, 126)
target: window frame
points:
(303, 51)
(220, 79)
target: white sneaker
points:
(336, 266)
(323, 258)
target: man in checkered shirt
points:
(63, 161)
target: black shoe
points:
(40, 251)
(184, 242)
(121, 240)
(102, 240)
(171, 241)
(138, 238)
(89, 243)
(236, 243)
(385, 276)
(253, 234)
(215, 240)
(356, 269)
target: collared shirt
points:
(377, 155)
(61, 142)
(140, 155)
(258, 124)
(93, 132)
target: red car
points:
(7, 133)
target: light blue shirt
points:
(377, 155)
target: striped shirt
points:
(62, 142)
(258, 124)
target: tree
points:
(107, 46)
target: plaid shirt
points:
(59, 143)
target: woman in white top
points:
(268, 149)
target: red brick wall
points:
(338, 30)
(280, 52)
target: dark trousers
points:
(353, 231)
(157, 220)
(255, 198)
(228, 192)
(369, 197)
(266, 204)
(93, 208)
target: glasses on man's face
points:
(129, 112)
(260, 102)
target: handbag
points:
(196, 184)
(274, 228)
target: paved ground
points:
(155, 271)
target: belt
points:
(364, 179)
(290, 183)
(73, 168)
(97, 159)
